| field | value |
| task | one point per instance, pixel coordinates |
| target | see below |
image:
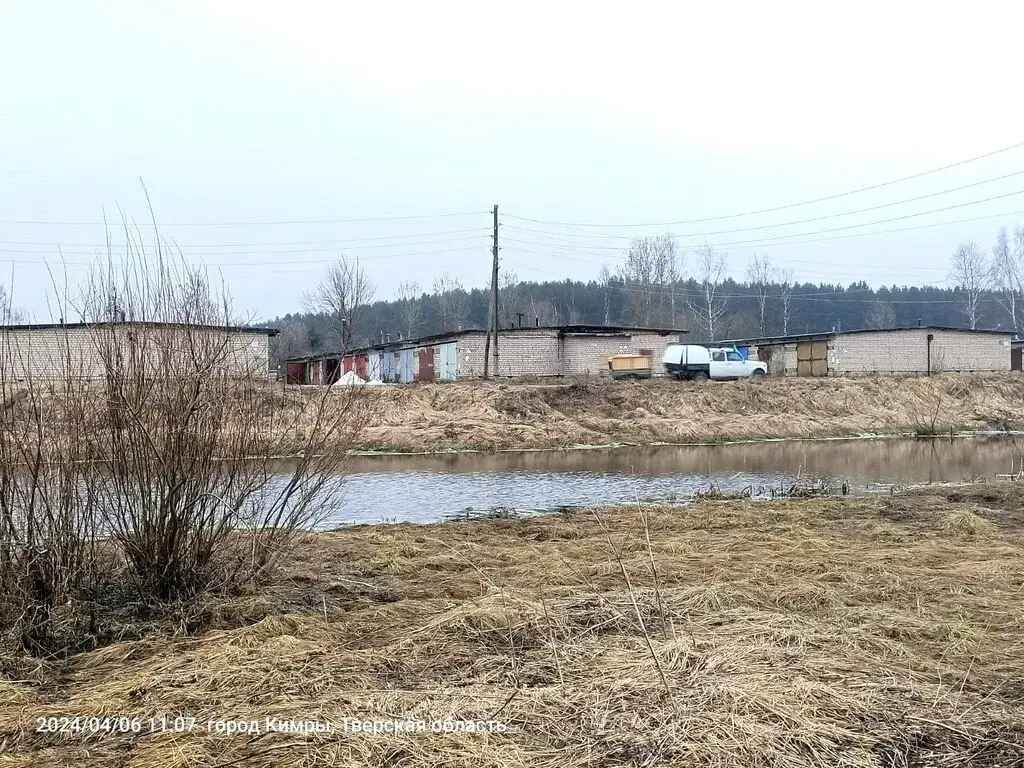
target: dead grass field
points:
(490, 416)
(882, 632)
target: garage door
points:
(812, 358)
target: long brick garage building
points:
(913, 350)
(82, 350)
(529, 351)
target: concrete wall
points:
(906, 351)
(48, 353)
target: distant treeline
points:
(792, 308)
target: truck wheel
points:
(757, 374)
(700, 376)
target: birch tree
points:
(604, 277)
(971, 273)
(709, 272)
(1008, 272)
(785, 277)
(761, 274)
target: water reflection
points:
(427, 488)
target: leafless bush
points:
(142, 452)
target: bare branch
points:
(710, 270)
(971, 273)
(652, 268)
(341, 295)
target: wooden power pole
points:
(492, 321)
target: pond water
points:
(430, 488)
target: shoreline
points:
(961, 434)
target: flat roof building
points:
(920, 349)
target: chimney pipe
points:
(536, 321)
(389, 337)
(919, 322)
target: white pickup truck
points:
(699, 363)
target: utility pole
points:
(492, 321)
(494, 290)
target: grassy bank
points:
(491, 416)
(858, 632)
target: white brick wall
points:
(47, 353)
(525, 352)
(906, 351)
(541, 352)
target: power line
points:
(249, 223)
(782, 207)
(832, 267)
(483, 231)
(57, 262)
(834, 215)
(274, 252)
(776, 240)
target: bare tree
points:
(761, 274)
(410, 308)
(971, 273)
(605, 278)
(785, 278)
(452, 303)
(198, 303)
(341, 295)
(509, 298)
(9, 315)
(709, 271)
(291, 341)
(1008, 272)
(881, 315)
(650, 272)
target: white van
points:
(699, 363)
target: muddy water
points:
(430, 488)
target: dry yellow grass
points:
(481, 415)
(485, 415)
(832, 632)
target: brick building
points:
(543, 351)
(920, 349)
(79, 350)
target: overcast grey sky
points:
(263, 129)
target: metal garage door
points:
(448, 362)
(425, 371)
(812, 358)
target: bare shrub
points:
(145, 453)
